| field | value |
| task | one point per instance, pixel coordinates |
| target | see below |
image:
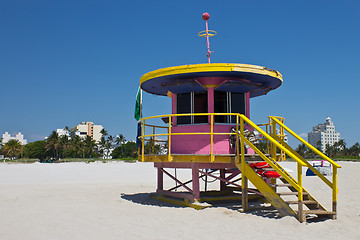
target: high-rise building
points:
(323, 134)
(19, 136)
(87, 129)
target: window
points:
(192, 103)
(227, 102)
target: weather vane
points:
(207, 33)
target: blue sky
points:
(63, 62)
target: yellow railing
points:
(335, 166)
(275, 140)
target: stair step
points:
(318, 212)
(291, 193)
(304, 202)
(280, 185)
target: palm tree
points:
(64, 143)
(103, 132)
(89, 146)
(75, 144)
(120, 139)
(53, 143)
(102, 146)
(354, 150)
(11, 148)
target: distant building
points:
(19, 136)
(323, 134)
(87, 129)
(62, 132)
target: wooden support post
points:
(160, 179)
(222, 183)
(195, 180)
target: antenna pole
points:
(207, 33)
(207, 39)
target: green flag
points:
(138, 105)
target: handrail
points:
(272, 140)
(306, 143)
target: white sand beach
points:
(111, 201)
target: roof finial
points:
(207, 33)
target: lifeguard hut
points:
(209, 133)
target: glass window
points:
(192, 103)
(227, 102)
(183, 105)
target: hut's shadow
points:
(147, 199)
(255, 208)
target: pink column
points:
(210, 93)
(173, 108)
(247, 104)
(195, 180)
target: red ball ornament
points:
(205, 16)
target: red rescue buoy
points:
(260, 165)
(269, 174)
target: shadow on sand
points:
(146, 199)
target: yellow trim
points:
(210, 67)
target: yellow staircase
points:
(276, 193)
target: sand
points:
(111, 201)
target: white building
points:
(20, 137)
(87, 129)
(62, 132)
(324, 133)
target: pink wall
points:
(200, 144)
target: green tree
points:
(354, 150)
(302, 150)
(151, 147)
(330, 151)
(89, 147)
(65, 144)
(36, 150)
(11, 148)
(120, 139)
(126, 150)
(53, 144)
(75, 146)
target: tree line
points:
(339, 149)
(57, 147)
